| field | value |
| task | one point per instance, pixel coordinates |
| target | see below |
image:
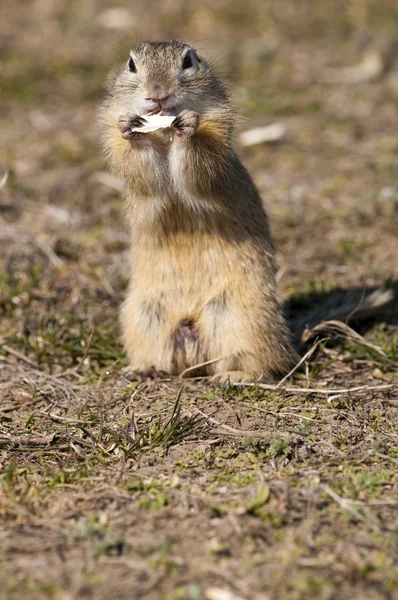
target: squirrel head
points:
(167, 76)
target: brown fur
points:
(202, 273)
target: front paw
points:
(128, 122)
(186, 123)
(143, 373)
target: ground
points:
(177, 489)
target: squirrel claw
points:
(177, 123)
(128, 122)
(135, 120)
(186, 123)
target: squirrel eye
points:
(187, 61)
(132, 66)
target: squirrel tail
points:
(340, 306)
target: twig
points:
(54, 259)
(273, 413)
(86, 351)
(341, 328)
(208, 362)
(133, 426)
(69, 371)
(26, 440)
(344, 503)
(386, 457)
(19, 355)
(296, 390)
(4, 179)
(60, 419)
(300, 362)
(232, 430)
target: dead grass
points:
(174, 489)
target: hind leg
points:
(253, 343)
(240, 368)
(146, 337)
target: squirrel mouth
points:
(159, 110)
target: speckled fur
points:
(202, 273)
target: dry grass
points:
(174, 489)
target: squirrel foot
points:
(225, 378)
(143, 374)
(186, 123)
(129, 121)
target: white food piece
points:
(261, 135)
(369, 69)
(215, 593)
(154, 122)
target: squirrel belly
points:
(195, 298)
(202, 288)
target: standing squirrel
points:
(202, 288)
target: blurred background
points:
(325, 70)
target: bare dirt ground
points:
(261, 494)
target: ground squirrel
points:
(202, 287)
